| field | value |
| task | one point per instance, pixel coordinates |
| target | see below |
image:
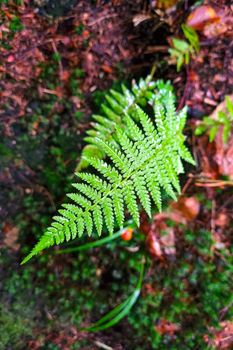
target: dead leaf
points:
(11, 234)
(206, 151)
(160, 240)
(202, 16)
(168, 241)
(211, 22)
(222, 220)
(153, 245)
(167, 327)
(106, 68)
(224, 155)
(164, 4)
(215, 29)
(185, 209)
(139, 18)
(222, 339)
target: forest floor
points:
(57, 58)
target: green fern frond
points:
(142, 158)
(145, 159)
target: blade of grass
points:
(119, 316)
(120, 311)
(111, 314)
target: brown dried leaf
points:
(164, 4)
(222, 220)
(139, 18)
(215, 29)
(206, 152)
(222, 339)
(211, 22)
(167, 327)
(202, 16)
(153, 245)
(106, 68)
(185, 209)
(224, 155)
(168, 241)
(160, 240)
(11, 234)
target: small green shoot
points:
(224, 119)
(183, 49)
(192, 36)
(15, 24)
(79, 29)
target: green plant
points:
(223, 120)
(141, 159)
(115, 109)
(183, 49)
(80, 28)
(15, 24)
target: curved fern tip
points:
(27, 258)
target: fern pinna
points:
(142, 157)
